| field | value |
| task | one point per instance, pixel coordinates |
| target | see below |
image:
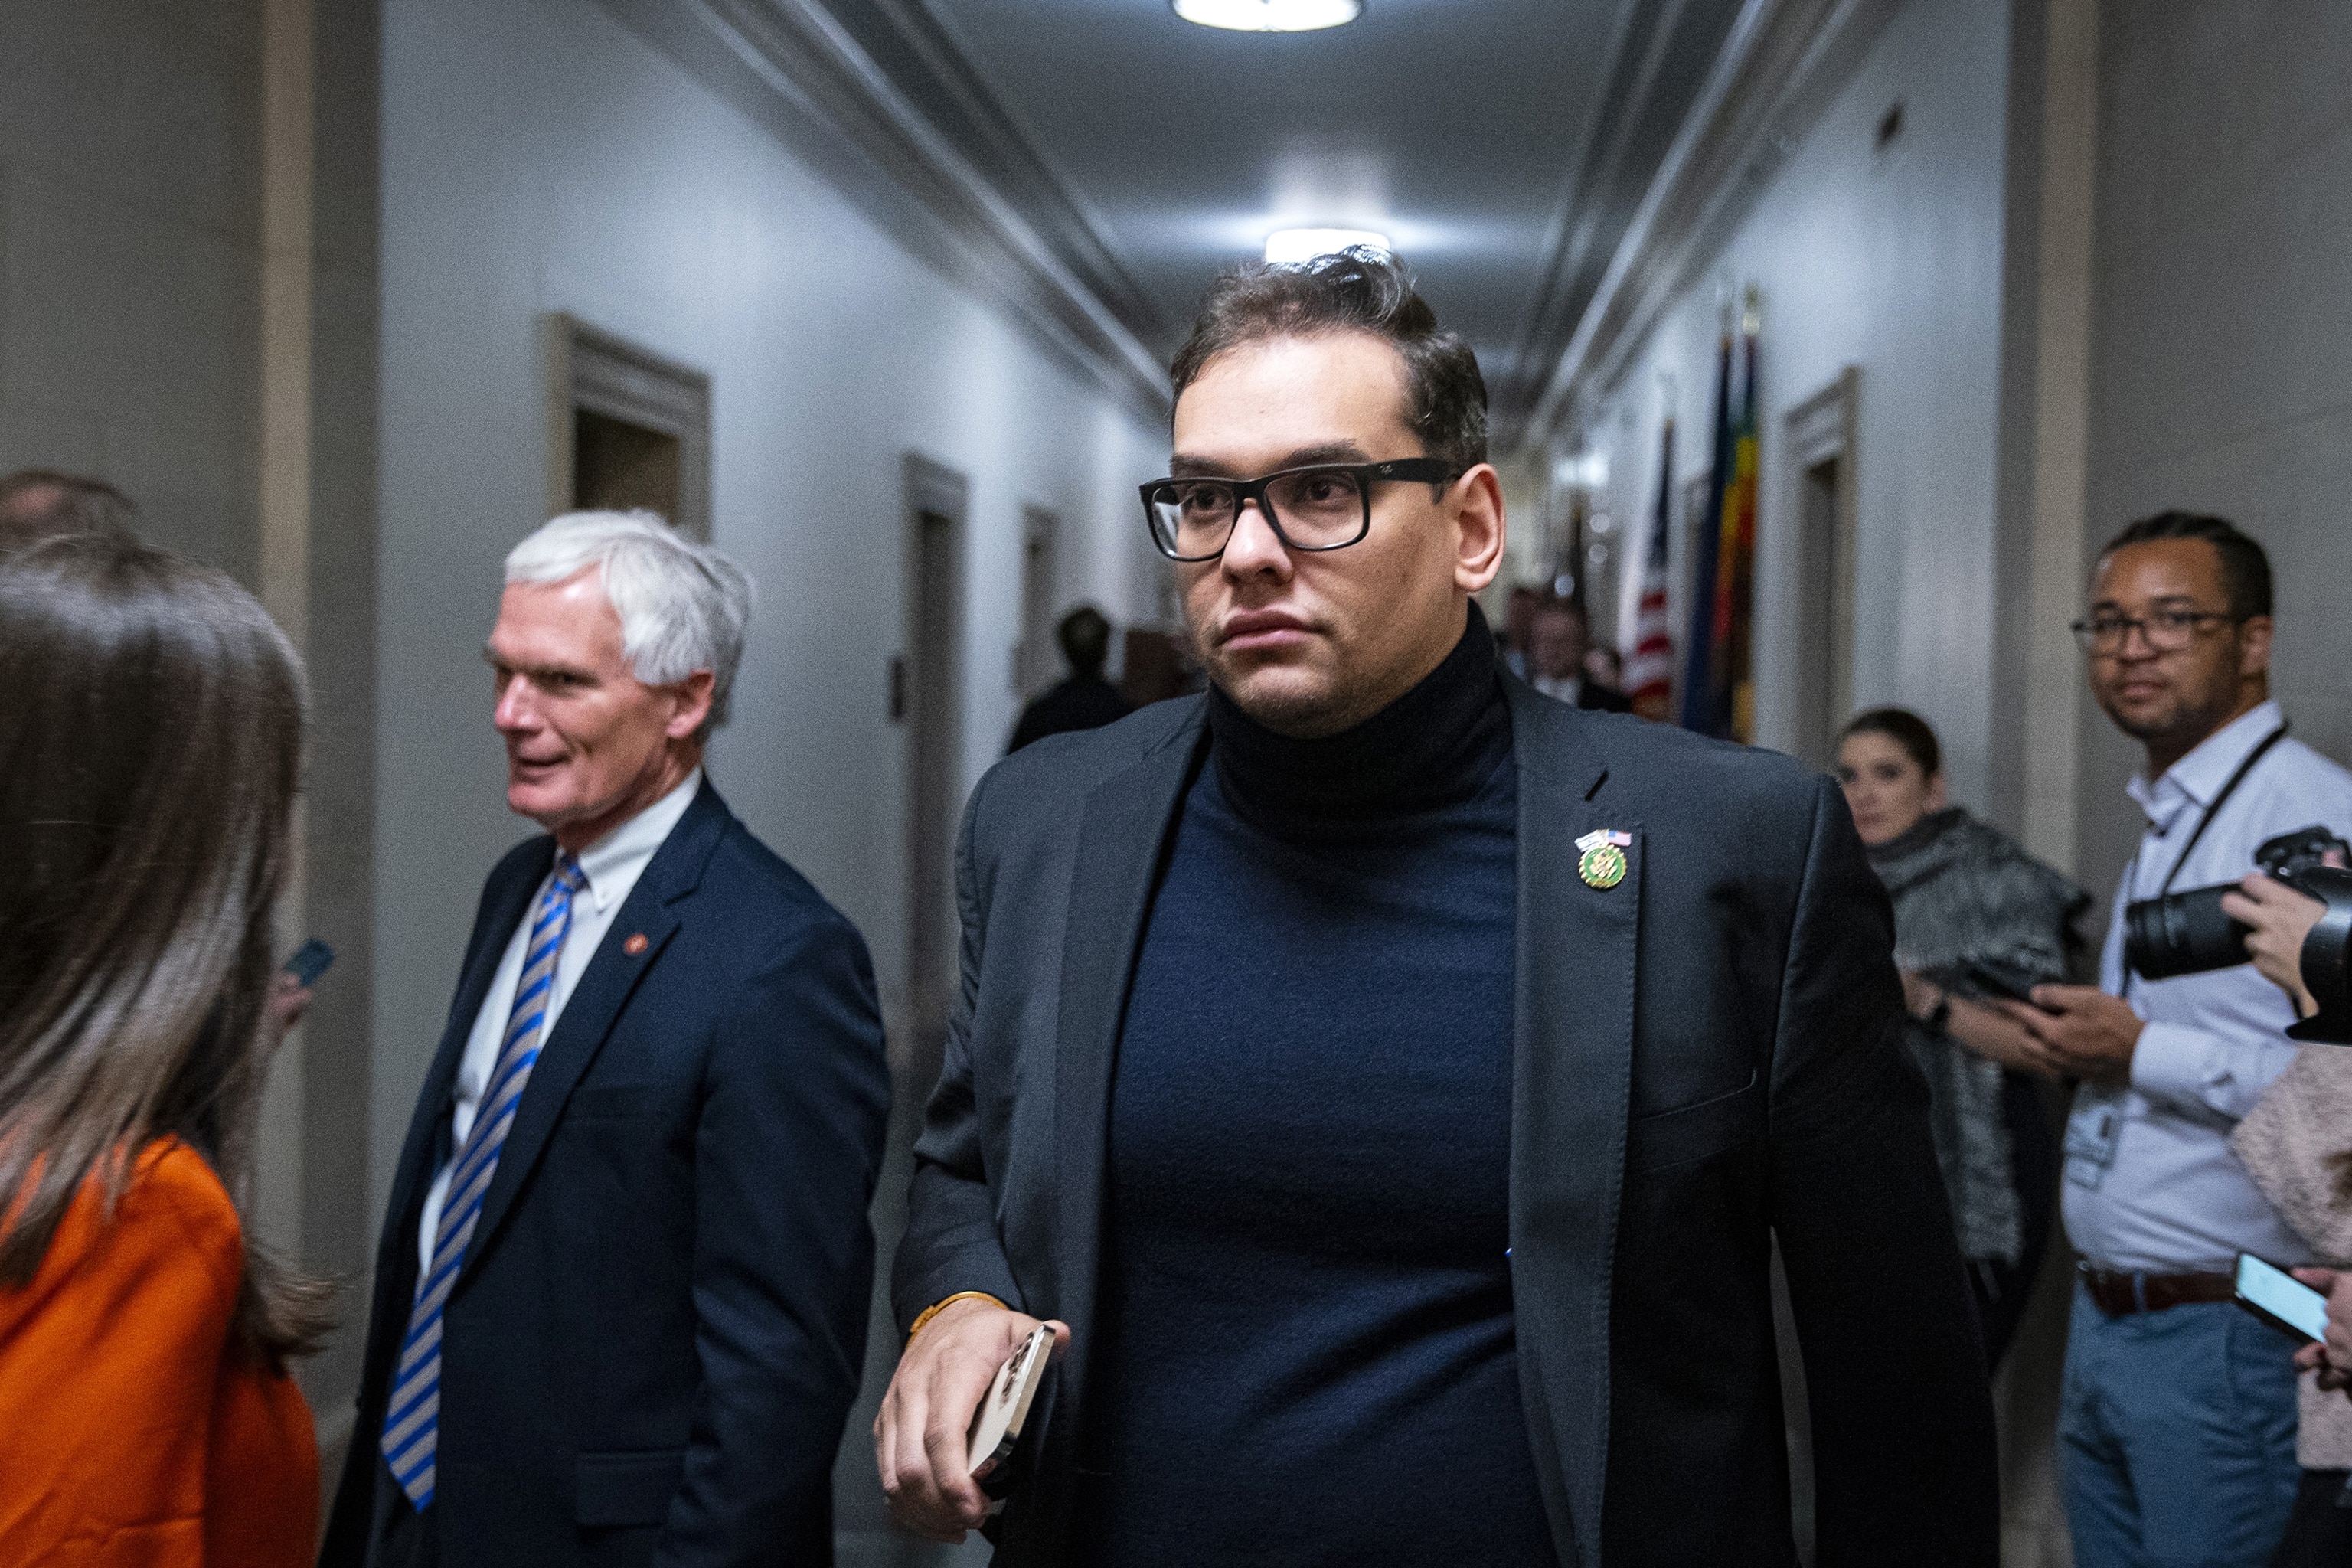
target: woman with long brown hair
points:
(150, 734)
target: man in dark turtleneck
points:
(1390, 1093)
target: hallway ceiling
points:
(1095, 161)
(1503, 145)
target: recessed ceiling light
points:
(1270, 15)
(1301, 244)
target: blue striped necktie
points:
(412, 1424)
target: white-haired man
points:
(620, 1302)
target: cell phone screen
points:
(2281, 1296)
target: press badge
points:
(2092, 1135)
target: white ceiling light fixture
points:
(1270, 15)
(1303, 244)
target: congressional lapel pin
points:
(1601, 862)
(635, 944)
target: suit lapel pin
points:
(1602, 863)
(635, 944)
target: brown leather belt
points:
(2119, 1294)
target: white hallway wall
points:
(539, 156)
(130, 260)
(2223, 333)
(1892, 261)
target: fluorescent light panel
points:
(1270, 15)
(1302, 243)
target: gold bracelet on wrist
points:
(923, 1317)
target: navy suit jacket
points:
(659, 1325)
(1706, 1056)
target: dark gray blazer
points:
(1706, 1054)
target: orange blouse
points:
(131, 1433)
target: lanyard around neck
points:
(2214, 810)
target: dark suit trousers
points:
(403, 1536)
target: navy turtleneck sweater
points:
(1305, 1349)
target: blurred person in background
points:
(150, 751)
(1604, 666)
(1556, 653)
(2297, 1142)
(1083, 700)
(1518, 628)
(1965, 892)
(41, 503)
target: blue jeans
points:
(2176, 1436)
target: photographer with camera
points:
(2177, 1422)
(2297, 1143)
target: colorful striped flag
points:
(1734, 671)
(1650, 673)
(1719, 690)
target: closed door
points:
(930, 686)
(1037, 662)
(1825, 669)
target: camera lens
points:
(2183, 933)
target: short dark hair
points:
(1085, 639)
(81, 505)
(1357, 289)
(2245, 565)
(1906, 729)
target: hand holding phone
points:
(2280, 1300)
(290, 994)
(309, 962)
(1987, 979)
(1003, 1410)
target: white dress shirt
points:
(2151, 1183)
(611, 867)
(1567, 688)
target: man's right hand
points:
(918, 1435)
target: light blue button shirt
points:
(2151, 1183)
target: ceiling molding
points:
(1659, 54)
(1779, 66)
(801, 74)
(1010, 154)
(1636, 45)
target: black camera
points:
(2327, 960)
(2187, 933)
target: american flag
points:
(1650, 673)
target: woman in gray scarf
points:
(1969, 905)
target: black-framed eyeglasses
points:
(2165, 631)
(1327, 506)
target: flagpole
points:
(1698, 677)
(1650, 672)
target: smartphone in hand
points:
(2281, 1300)
(309, 962)
(996, 1426)
(1987, 979)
